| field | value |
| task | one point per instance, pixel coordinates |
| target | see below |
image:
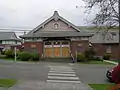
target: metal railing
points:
(73, 58)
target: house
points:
(57, 37)
(9, 40)
(106, 42)
(103, 40)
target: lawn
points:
(7, 82)
(95, 62)
(101, 86)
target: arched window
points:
(56, 25)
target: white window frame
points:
(109, 49)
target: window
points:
(109, 36)
(113, 33)
(48, 43)
(84, 38)
(108, 49)
(56, 25)
(8, 42)
(56, 43)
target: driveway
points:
(53, 76)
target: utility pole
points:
(119, 29)
(15, 53)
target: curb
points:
(111, 62)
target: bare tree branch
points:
(108, 14)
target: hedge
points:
(26, 56)
(106, 56)
(9, 53)
(80, 57)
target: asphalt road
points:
(93, 74)
(88, 74)
(23, 71)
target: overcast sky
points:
(30, 13)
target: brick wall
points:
(34, 47)
(101, 50)
(79, 46)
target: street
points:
(46, 74)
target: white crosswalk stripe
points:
(61, 81)
(62, 74)
(56, 77)
(57, 74)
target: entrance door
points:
(48, 50)
(56, 51)
(56, 46)
(65, 51)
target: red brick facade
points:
(102, 48)
(79, 46)
(99, 49)
(115, 52)
(76, 46)
(34, 47)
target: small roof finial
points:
(56, 13)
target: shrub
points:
(89, 54)
(24, 56)
(9, 53)
(35, 56)
(97, 58)
(80, 57)
(106, 56)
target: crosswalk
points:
(62, 74)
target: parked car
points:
(114, 74)
(109, 74)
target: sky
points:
(27, 14)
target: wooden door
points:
(48, 52)
(65, 52)
(56, 51)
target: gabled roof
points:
(55, 17)
(8, 36)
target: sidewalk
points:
(39, 85)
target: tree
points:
(108, 13)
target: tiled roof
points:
(8, 36)
(57, 34)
